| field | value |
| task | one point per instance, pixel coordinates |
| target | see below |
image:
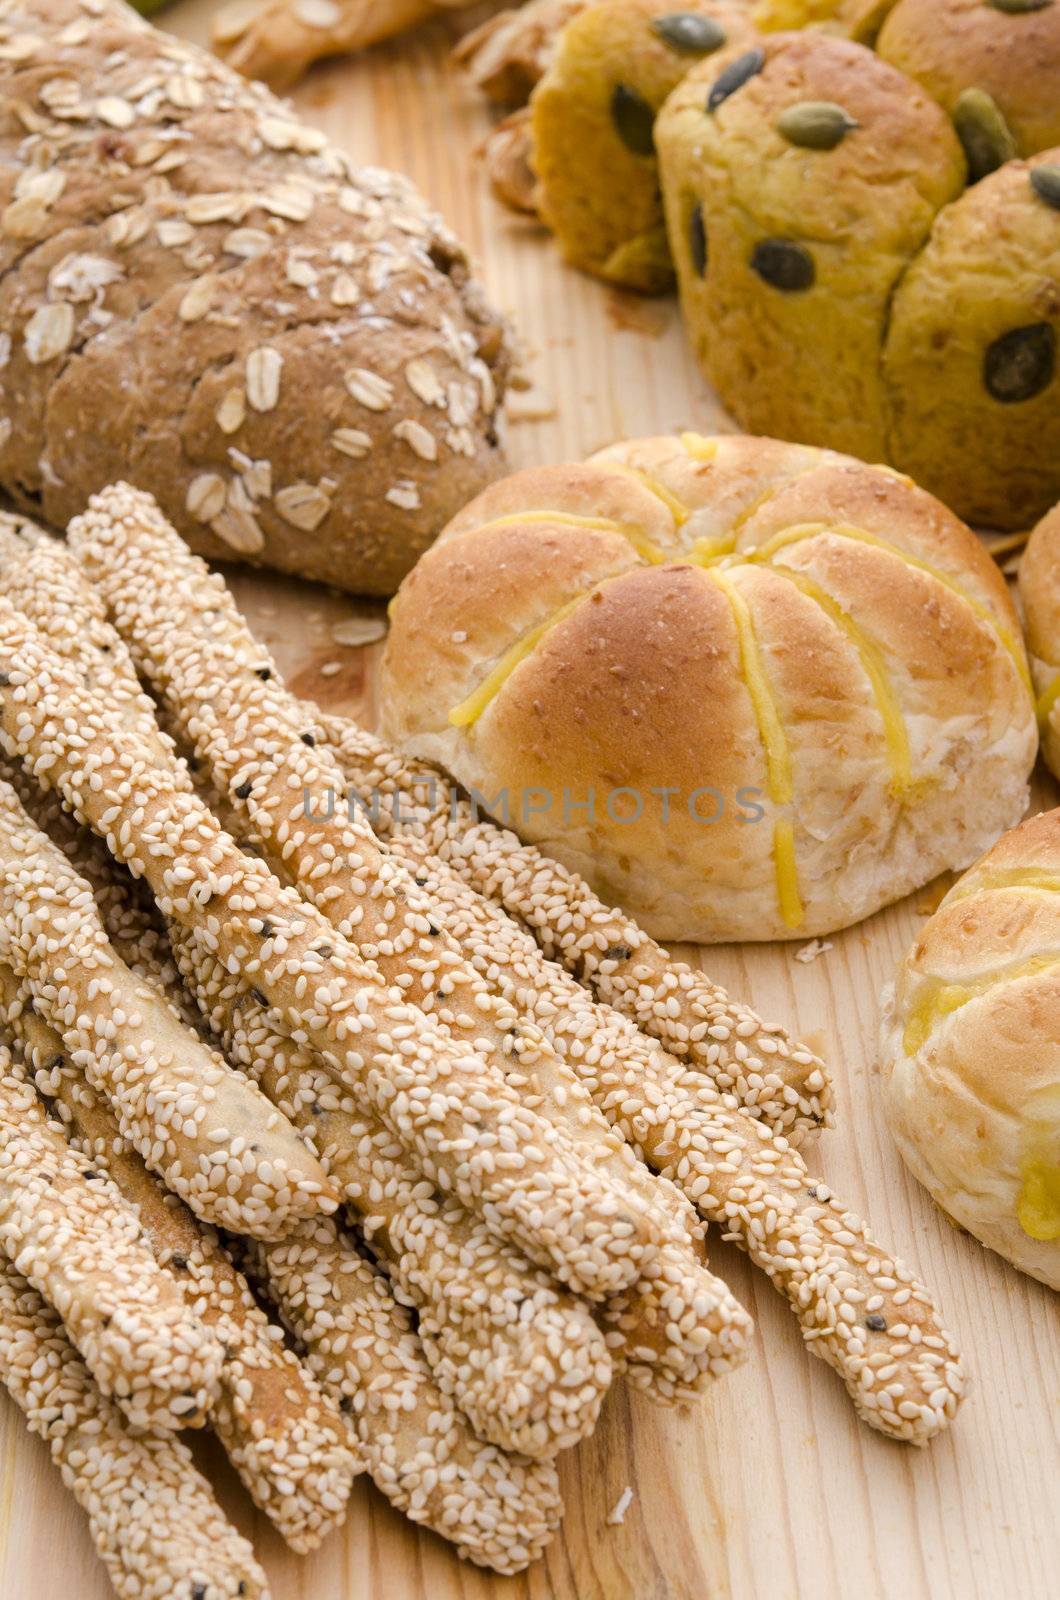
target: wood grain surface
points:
(769, 1489)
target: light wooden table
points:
(769, 1490)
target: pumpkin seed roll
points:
(153, 1517)
(843, 286)
(592, 128)
(66, 1227)
(993, 65)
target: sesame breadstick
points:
(153, 1517)
(225, 696)
(466, 1127)
(499, 1510)
(212, 1137)
(66, 1228)
(286, 1439)
(521, 1357)
(861, 1312)
(756, 1066)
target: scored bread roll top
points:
(971, 1051)
(200, 295)
(811, 647)
(1039, 584)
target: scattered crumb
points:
(533, 406)
(617, 1515)
(359, 630)
(811, 951)
(330, 669)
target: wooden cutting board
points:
(769, 1489)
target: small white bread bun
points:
(793, 685)
(1040, 593)
(970, 1049)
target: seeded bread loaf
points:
(592, 120)
(970, 1051)
(1039, 583)
(843, 287)
(200, 295)
(747, 689)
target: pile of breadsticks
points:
(279, 1009)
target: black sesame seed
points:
(617, 952)
(435, 931)
(264, 673)
(421, 883)
(178, 1261)
(325, 950)
(90, 1173)
(307, 738)
(735, 75)
(259, 997)
(877, 1323)
(267, 928)
(199, 1592)
(243, 791)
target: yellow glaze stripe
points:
(1038, 1206)
(937, 1000)
(700, 447)
(1004, 878)
(469, 710)
(705, 552)
(677, 508)
(774, 745)
(633, 535)
(842, 530)
(895, 734)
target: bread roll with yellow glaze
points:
(1039, 583)
(970, 1048)
(808, 650)
(851, 19)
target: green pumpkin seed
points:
(983, 132)
(1021, 363)
(689, 33)
(697, 240)
(815, 124)
(735, 76)
(1045, 181)
(784, 264)
(634, 120)
(1016, 8)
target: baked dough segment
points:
(1039, 584)
(971, 1050)
(803, 246)
(972, 358)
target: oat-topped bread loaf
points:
(844, 287)
(202, 296)
(1039, 583)
(592, 120)
(749, 690)
(970, 1050)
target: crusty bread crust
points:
(700, 615)
(202, 296)
(1039, 585)
(971, 1050)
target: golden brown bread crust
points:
(971, 1050)
(278, 40)
(1039, 585)
(186, 265)
(816, 640)
(510, 52)
(950, 46)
